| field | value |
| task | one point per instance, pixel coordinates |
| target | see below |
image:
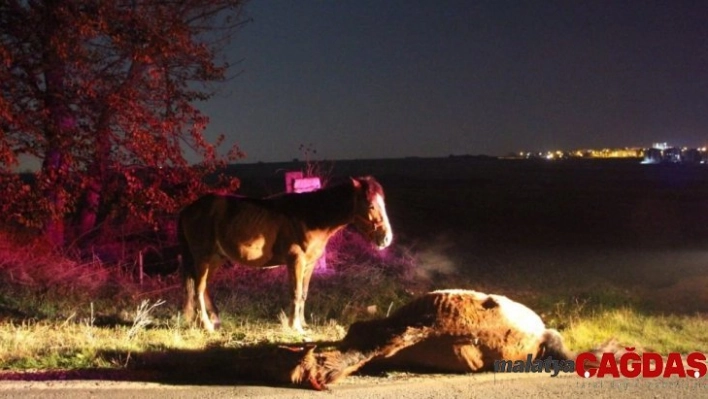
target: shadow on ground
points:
(262, 364)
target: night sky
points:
(389, 78)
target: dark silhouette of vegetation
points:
(103, 94)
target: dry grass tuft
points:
(143, 317)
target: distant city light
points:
(660, 152)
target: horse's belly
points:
(256, 252)
(258, 258)
(440, 354)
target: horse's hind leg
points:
(188, 271)
(189, 276)
(189, 295)
(212, 310)
(207, 310)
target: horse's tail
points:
(187, 269)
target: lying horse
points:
(288, 229)
(469, 330)
(454, 331)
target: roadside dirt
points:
(400, 386)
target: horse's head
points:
(299, 367)
(317, 370)
(370, 216)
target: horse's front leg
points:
(307, 274)
(296, 272)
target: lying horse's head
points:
(299, 367)
(303, 367)
(370, 216)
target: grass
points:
(47, 345)
(57, 313)
(657, 333)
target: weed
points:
(142, 317)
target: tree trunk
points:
(51, 171)
(89, 212)
(88, 216)
(59, 127)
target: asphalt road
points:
(401, 386)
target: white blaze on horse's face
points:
(384, 223)
(370, 216)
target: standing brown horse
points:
(288, 229)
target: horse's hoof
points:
(208, 325)
(298, 329)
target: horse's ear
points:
(310, 348)
(291, 348)
(356, 183)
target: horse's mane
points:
(333, 204)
